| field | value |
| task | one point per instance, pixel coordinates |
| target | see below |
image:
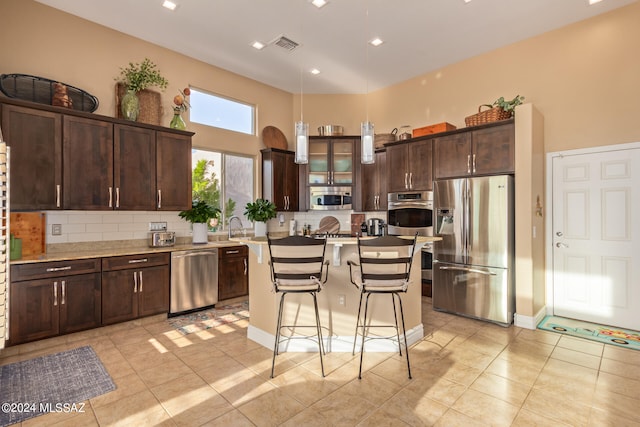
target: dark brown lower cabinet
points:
(233, 272)
(43, 307)
(134, 286)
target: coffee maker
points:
(375, 227)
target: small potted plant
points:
(199, 215)
(135, 78)
(508, 106)
(259, 212)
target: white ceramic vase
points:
(260, 229)
(200, 231)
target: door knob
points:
(561, 245)
(559, 233)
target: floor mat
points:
(58, 382)
(210, 318)
(592, 331)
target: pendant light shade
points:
(367, 139)
(302, 142)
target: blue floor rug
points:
(602, 333)
(58, 382)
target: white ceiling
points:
(420, 35)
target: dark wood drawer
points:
(135, 261)
(43, 270)
(233, 251)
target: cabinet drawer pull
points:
(237, 251)
(137, 261)
(140, 282)
(68, 267)
(64, 291)
(135, 282)
(55, 293)
(57, 195)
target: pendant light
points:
(366, 128)
(301, 128)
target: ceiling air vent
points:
(285, 43)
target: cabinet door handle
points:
(406, 175)
(159, 199)
(110, 197)
(474, 163)
(137, 261)
(135, 282)
(410, 180)
(64, 291)
(468, 163)
(140, 282)
(57, 195)
(117, 197)
(245, 266)
(233, 252)
(55, 293)
(67, 267)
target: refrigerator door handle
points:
(468, 269)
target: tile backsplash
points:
(97, 226)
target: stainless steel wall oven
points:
(410, 213)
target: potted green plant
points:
(199, 215)
(259, 212)
(508, 106)
(137, 77)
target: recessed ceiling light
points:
(319, 3)
(594, 2)
(314, 71)
(376, 42)
(467, 1)
(257, 45)
(169, 5)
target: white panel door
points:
(596, 242)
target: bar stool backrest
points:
(386, 259)
(296, 259)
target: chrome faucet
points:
(239, 221)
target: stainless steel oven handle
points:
(469, 270)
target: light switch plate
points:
(56, 229)
(157, 226)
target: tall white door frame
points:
(549, 238)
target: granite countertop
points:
(108, 249)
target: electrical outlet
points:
(56, 229)
(342, 300)
(157, 226)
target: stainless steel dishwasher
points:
(194, 279)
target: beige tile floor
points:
(465, 373)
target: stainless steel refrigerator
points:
(473, 267)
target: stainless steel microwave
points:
(330, 198)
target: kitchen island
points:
(338, 301)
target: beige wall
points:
(48, 43)
(583, 79)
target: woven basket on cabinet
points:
(493, 114)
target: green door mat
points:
(577, 328)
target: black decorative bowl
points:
(41, 90)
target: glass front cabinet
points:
(331, 161)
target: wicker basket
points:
(493, 114)
(150, 105)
